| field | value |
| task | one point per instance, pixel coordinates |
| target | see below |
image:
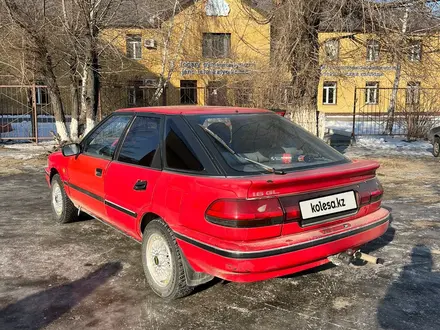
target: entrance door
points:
(217, 93)
(87, 171)
(188, 92)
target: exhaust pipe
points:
(368, 258)
(349, 256)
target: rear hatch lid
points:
(319, 197)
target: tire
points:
(436, 147)
(163, 267)
(63, 210)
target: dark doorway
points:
(188, 92)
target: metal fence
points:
(119, 96)
(26, 111)
(410, 111)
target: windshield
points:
(248, 141)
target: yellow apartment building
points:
(209, 45)
(362, 61)
(199, 50)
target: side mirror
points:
(73, 149)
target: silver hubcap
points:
(57, 198)
(436, 148)
(159, 261)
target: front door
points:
(131, 178)
(87, 171)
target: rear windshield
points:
(268, 139)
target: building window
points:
(415, 51)
(135, 94)
(373, 49)
(372, 92)
(288, 94)
(329, 92)
(188, 92)
(134, 46)
(413, 93)
(41, 96)
(132, 95)
(243, 94)
(216, 45)
(331, 49)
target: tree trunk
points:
(304, 68)
(393, 99)
(56, 101)
(91, 85)
(74, 133)
(392, 106)
(91, 81)
(90, 100)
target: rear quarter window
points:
(179, 154)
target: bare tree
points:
(170, 52)
(31, 20)
(63, 40)
(296, 25)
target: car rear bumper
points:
(260, 260)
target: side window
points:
(142, 141)
(178, 153)
(104, 140)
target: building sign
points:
(217, 8)
(215, 68)
(355, 71)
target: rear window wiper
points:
(223, 143)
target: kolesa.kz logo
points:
(330, 205)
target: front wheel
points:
(63, 209)
(162, 262)
(436, 147)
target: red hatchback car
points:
(240, 194)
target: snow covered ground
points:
(376, 145)
(25, 151)
(24, 128)
(362, 125)
(390, 146)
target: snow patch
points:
(394, 145)
(240, 309)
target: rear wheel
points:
(436, 146)
(63, 210)
(162, 262)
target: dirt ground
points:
(86, 275)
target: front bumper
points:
(260, 260)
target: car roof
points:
(193, 109)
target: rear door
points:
(131, 178)
(87, 171)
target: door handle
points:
(98, 171)
(140, 185)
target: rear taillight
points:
(372, 194)
(376, 195)
(293, 213)
(241, 213)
